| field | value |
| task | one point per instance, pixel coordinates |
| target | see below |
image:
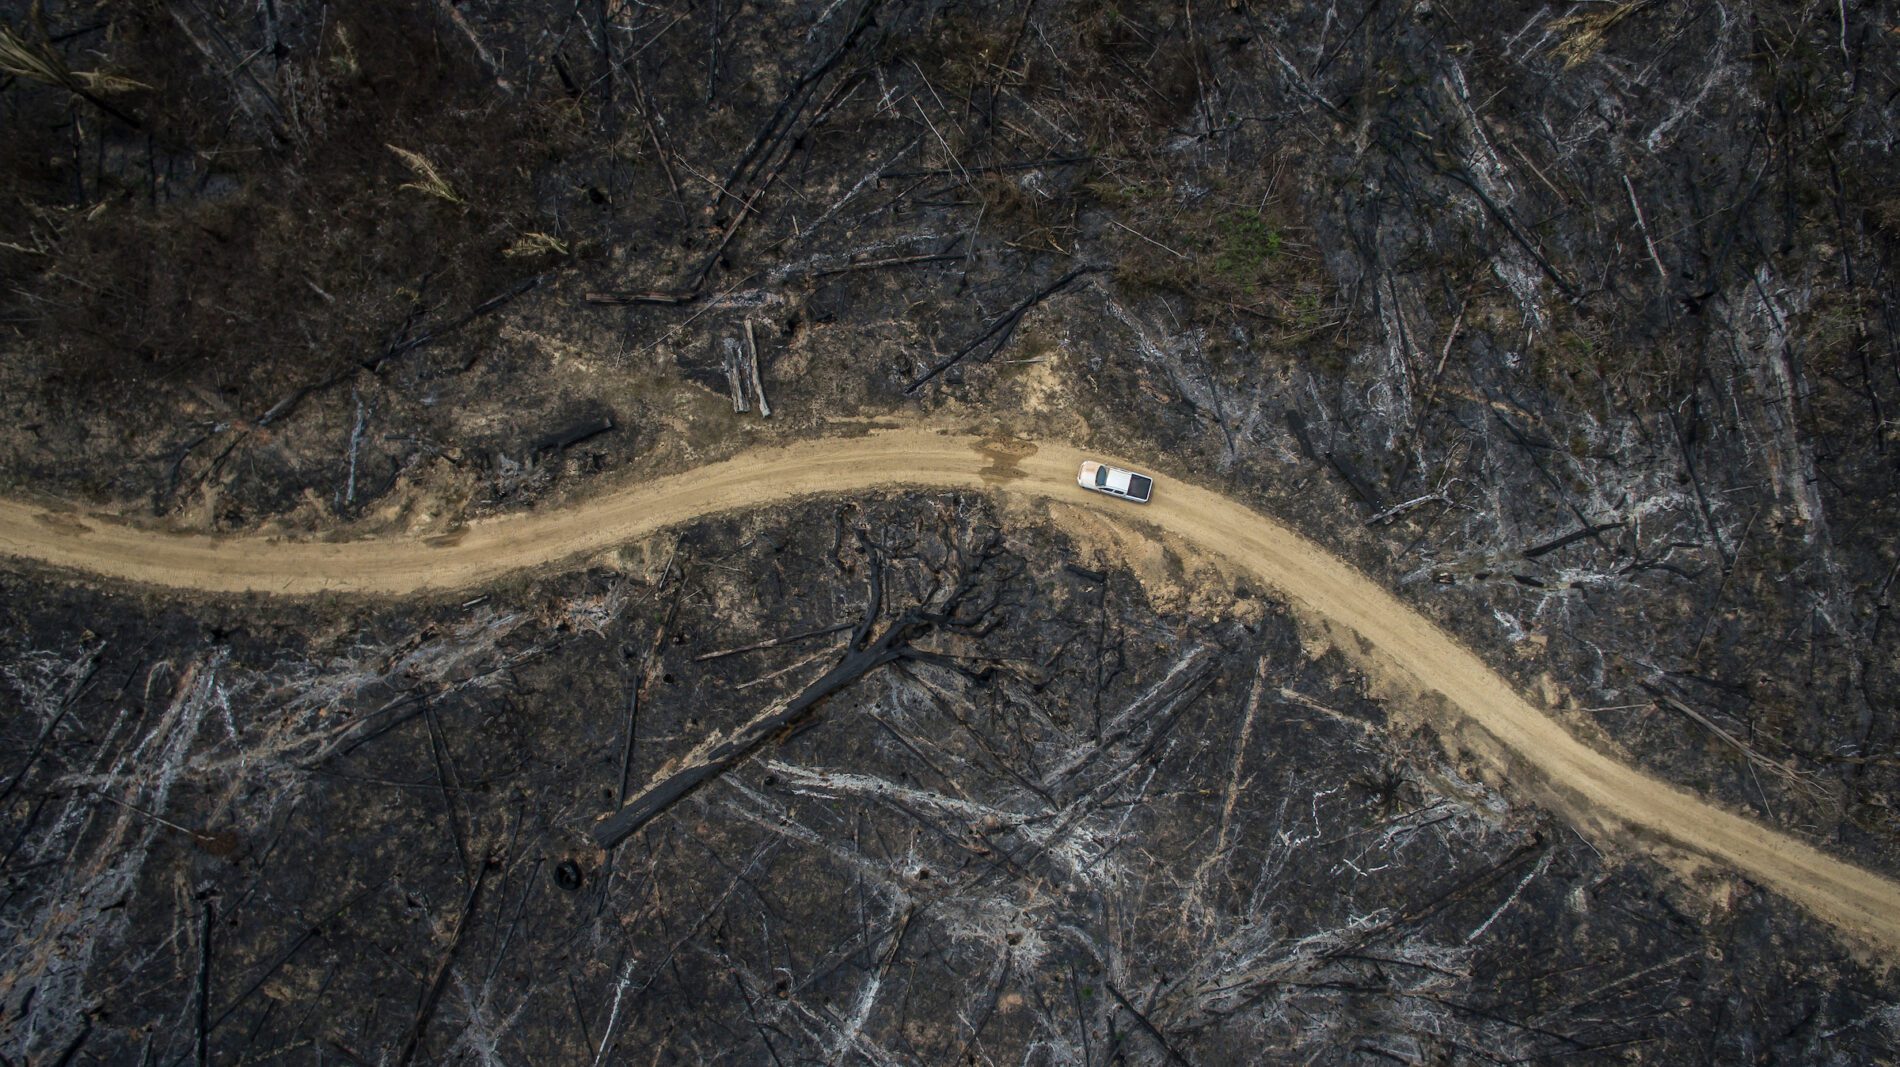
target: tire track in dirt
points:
(1397, 646)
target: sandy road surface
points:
(1599, 794)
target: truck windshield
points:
(1101, 476)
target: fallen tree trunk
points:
(720, 753)
(573, 434)
(772, 642)
(714, 758)
(1581, 532)
(752, 360)
(1004, 325)
(624, 297)
(735, 386)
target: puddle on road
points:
(1006, 457)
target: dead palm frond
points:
(37, 61)
(100, 81)
(535, 243)
(1591, 28)
(428, 179)
(26, 59)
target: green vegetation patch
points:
(1245, 246)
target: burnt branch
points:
(863, 654)
(997, 334)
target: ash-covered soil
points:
(1575, 323)
(1072, 829)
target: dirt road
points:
(1604, 797)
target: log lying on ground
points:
(412, 1038)
(735, 385)
(1149, 716)
(1090, 574)
(720, 753)
(997, 334)
(772, 642)
(1581, 532)
(758, 167)
(715, 757)
(1361, 488)
(752, 360)
(625, 297)
(573, 433)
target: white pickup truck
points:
(1115, 482)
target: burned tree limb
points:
(1570, 538)
(1364, 490)
(762, 183)
(1147, 1027)
(1154, 711)
(1533, 445)
(774, 642)
(573, 433)
(304, 936)
(446, 781)
(487, 307)
(874, 598)
(1786, 771)
(643, 678)
(735, 385)
(1349, 474)
(998, 333)
(713, 760)
(890, 261)
(46, 734)
(758, 1024)
(795, 99)
(1702, 498)
(1662, 275)
(434, 995)
(712, 258)
(1504, 219)
(993, 168)
(752, 361)
(396, 350)
(203, 1007)
(1086, 573)
(644, 106)
(625, 297)
(720, 753)
(1405, 507)
(1532, 845)
(757, 168)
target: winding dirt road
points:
(1597, 793)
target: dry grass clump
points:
(428, 179)
(535, 243)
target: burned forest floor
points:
(1075, 828)
(1573, 324)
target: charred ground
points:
(1082, 831)
(1575, 323)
